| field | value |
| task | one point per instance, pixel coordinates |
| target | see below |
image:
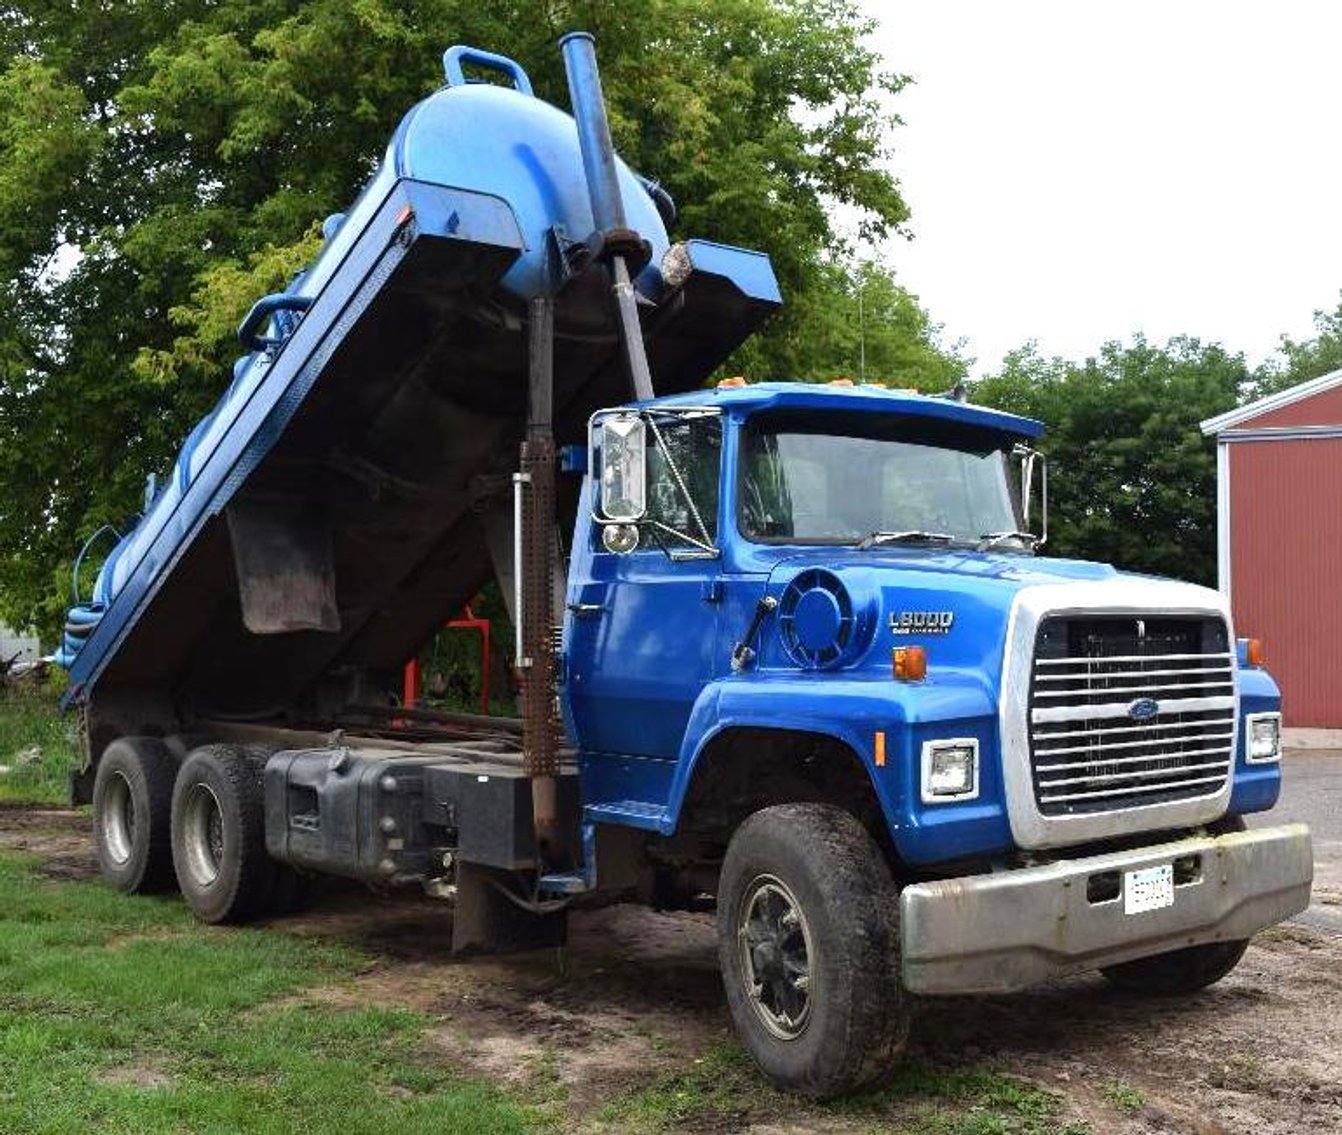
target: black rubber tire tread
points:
(860, 1016)
(242, 889)
(1180, 972)
(150, 770)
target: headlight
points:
(1263, 737)
(950, 770)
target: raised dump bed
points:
(340, 501)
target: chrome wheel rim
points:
(776, 955)
(117, 821)
(203, 835)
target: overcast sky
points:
(1084, 170)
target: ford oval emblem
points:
(1143, 709)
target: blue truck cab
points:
(783, 649)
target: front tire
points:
(808, 941)
(218, 835)
(1180, 972)
(132, 808)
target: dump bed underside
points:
(340, 520)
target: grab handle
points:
(455, 57)
(259, 316)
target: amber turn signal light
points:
(1253, 652)
(910, 663)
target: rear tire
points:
(132, 809)
(218, 836)
(808, 941)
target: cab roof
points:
(866, 398)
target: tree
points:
(1132, 479)
(1300, 361)
(854, 320)
(185, 148)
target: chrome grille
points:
(1090, 748)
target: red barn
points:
(1279, 539)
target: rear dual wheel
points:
(200, 825)
(219, 839)
(132, 805)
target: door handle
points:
(583, 610)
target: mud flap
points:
(484, 921)
(80, 784)
(284, 564)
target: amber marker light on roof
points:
(839, 382)
(910, 663)
(730, 383)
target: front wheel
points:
(1178, 971)
(808, 942)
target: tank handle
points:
(455, 57)
(262, 310)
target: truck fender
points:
(736, 703)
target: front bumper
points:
(1012, 929)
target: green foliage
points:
(31, 725)
(124, 1014)
(1123, 1095)
(1132, 480)
(185, 148)
(1310, 358)
(855, 321)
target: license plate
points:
(1148, 889)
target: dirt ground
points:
(637, 995)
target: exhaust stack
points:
(619, 245)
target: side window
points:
(684, 469)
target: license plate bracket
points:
(1148, 888)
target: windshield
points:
(865, 480)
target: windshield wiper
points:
(912, 536)
(990, 540)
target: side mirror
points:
(624, 468)
(1034, 467)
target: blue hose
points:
(83, 618)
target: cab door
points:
(641, 625)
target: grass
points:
(1122, 1095)
(723, 1091)
(1239, 1073)
(122, 1014)
(30, 720)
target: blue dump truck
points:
(781, 648)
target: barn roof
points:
(1287, 397)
